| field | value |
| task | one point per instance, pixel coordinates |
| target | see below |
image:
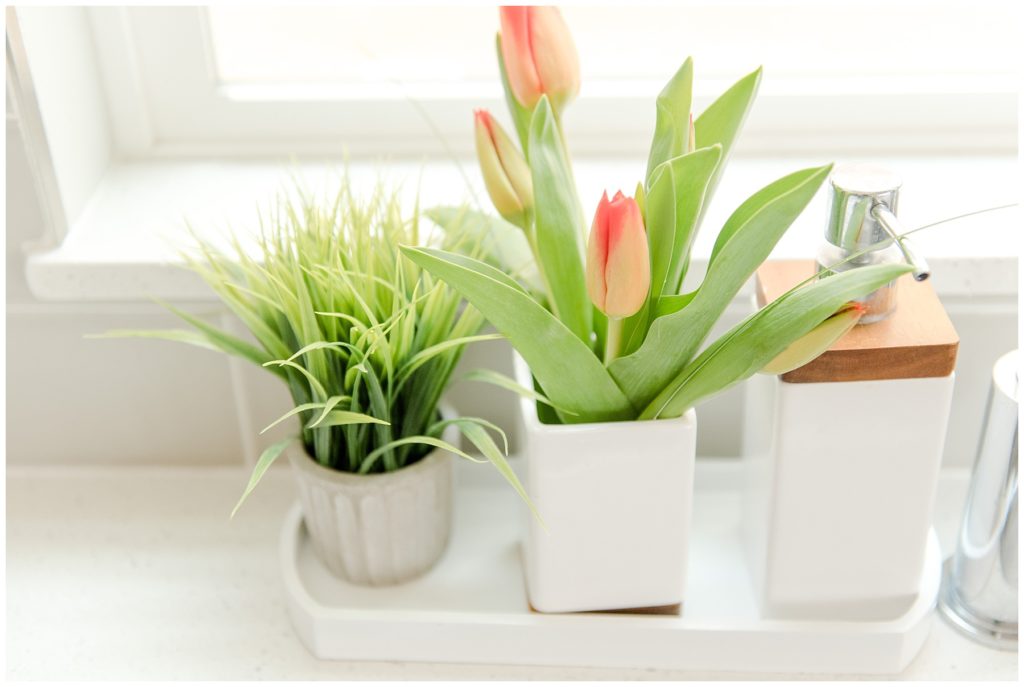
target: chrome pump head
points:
(863, 200)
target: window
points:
(839, 75)
(155, 114)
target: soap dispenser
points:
(842, 455)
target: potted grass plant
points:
(612, 353)
(366, 342)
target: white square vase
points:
(616, 498)
(841, 482)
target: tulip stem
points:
(613, 340)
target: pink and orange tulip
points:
(618, 263)
(539, 54)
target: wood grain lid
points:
(917, 340)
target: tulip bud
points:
(506, 174)
(539, 54)
(618, 264)
(815, 342)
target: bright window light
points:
(796, 41)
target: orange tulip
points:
(540, 57)
(506, 174)
(618, 264)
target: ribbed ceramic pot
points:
(378, 529)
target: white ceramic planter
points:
(378, 529)
(839, 501)
(616, 498)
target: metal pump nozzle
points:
(862, 217)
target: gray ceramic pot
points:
(378, 529)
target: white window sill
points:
(124, 245)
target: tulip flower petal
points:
(518, 55)
(539, 55)
(618, 261)
(597, 255)
(628, 265)
(554, 54)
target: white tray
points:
(472, 607)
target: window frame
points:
(165, 100)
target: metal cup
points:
(979, 586)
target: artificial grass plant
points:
(365, 339)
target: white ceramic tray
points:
(472, 607)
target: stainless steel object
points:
(862, 229)
(979, 586)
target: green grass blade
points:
(266, 459)
(373, 456)
(329, 405)
(429, 353)
(509, 384)
(223, 341)
(302, 407)
(338, 418)
(473, 430)
(436, 428)
(314, 383)
(185, 336)
(317, 346)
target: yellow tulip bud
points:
(506, 174)
(815, 342)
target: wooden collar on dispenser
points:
(916, 340)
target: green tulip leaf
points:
(559, 229)
(752, 231)
(681, 185)
(497, 242)
(814, 343)
(721, 123)
(568, 371)
(760, 338)
(672, 126)
(672, 207)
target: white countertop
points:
(137, 573)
